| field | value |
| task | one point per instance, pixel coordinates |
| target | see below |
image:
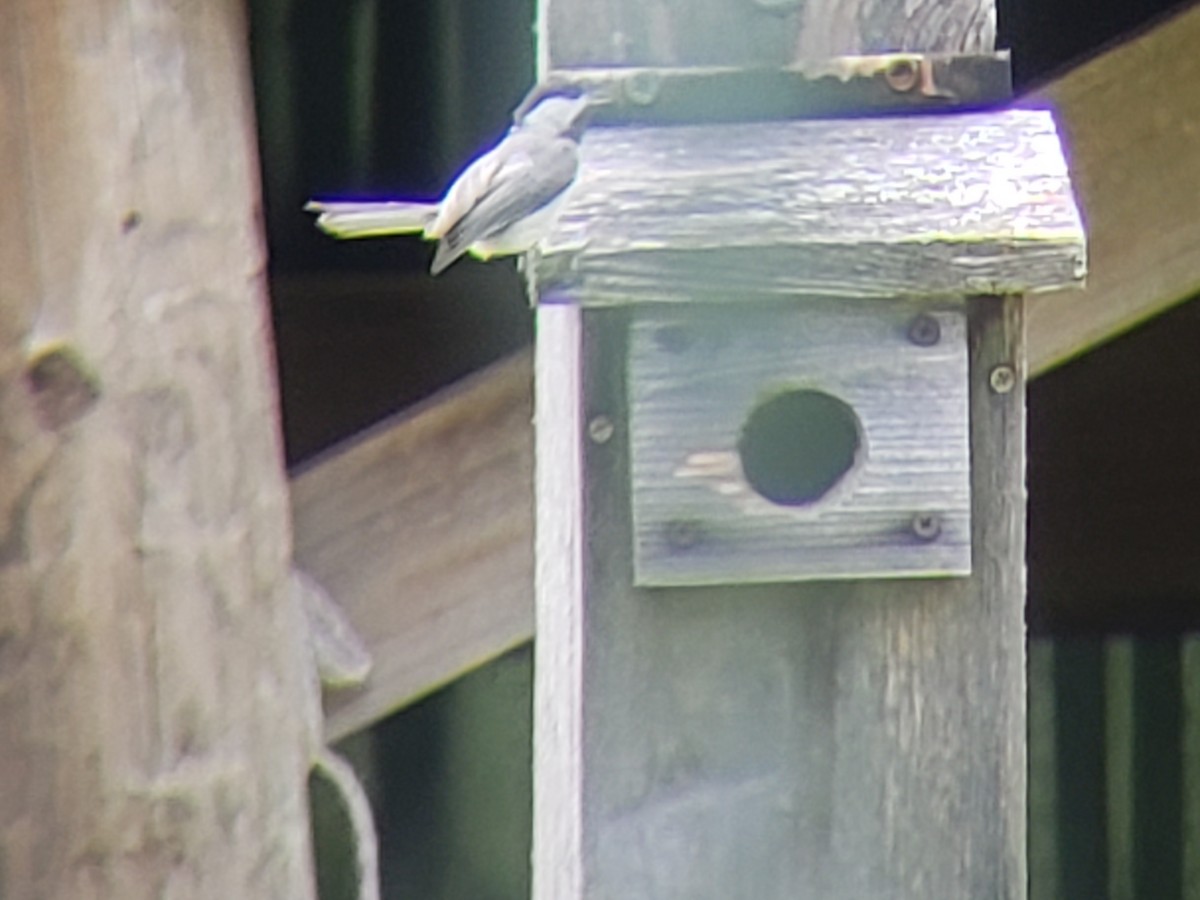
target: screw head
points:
(673, 338)
(601, 429)
(1002, 378)
(924, 330)
(641, 88)
(902, 75)
(926, 526)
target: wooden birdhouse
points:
(793, 298)
(780, 497)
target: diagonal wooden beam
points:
(1131, 120)
(422, 528)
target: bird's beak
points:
(585, 106)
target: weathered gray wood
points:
(839, 740)
(154, 679)
(856, 740)
(977, 203)
(695, 375)
(422, 531)
(1134, 274)
(1131, 129)
(767, 32)
(558, 720)
(854, 85)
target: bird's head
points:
(561, 112)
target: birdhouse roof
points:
(934, 205)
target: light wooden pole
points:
(155, 690)
(741, 691)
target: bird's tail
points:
(356, 219)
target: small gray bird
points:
(503, 203)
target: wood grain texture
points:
(1134, 273)
(829, 740)
(833, 27)
(845, 87)
(422, 531)
(977, 203)
(154, 675)
(1130, 120)
(768, 33)
(690, 401)
(558, 797)
(1154, 267)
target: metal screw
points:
(1002, 378)
(641, 88)
(902, 75)
(673, 338)
(926, 525)
(924, 330)
(600, 429)
(683, 534)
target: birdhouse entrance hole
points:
(796, 446)
(795, 441)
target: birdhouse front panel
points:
(818, 438)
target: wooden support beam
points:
(1131, 121)
(156, 691)
(1132, 161)
(705, 723)
(422, 530)
(710, 718)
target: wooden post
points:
(155, 690)
(717, 728)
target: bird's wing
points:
(532, 174)
(474, 182)
(356, 219)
